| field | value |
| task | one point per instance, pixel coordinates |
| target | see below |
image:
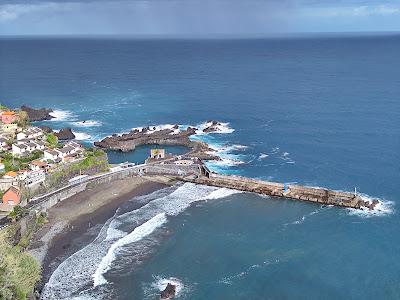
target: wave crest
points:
(137, 234)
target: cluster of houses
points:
(21, 143)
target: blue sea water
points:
(319, 111)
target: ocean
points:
(317, 111)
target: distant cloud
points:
(355, 11)
(195, 17)
(9, 12)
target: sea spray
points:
(62, 115)
(137, 234)
(82, 136)
(76, 273)
(383, 208)
(87, 123)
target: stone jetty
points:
(191, 168)
(281, 190)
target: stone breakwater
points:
(163, 137)
(280, 190)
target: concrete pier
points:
(310, 194)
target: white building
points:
(21, 175)
(19, 149)
(52, 154)
(37, 165)
(35, 177)
(76, 147)
(39, 145)
(21, 136)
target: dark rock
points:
(373, 204)
(46, 129)
(166, 137)
(65, 134)
(34, 115)
(169, 292)
(212, 127)
(176, 126)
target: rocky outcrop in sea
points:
(169, 292)
(34, 115)
(65, 134)
(172, 136)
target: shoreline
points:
(75, 222)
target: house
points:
(9, 128)
(52, 154)
(5, 183)
(37, 165)
(8, 117)
(76, 147)
(39, 145)
(157, 153)
(66, 150)
(21, 136)
(10, 175)
(12, 196)
(2, 167)
(35, 177)
(22, 174)
(33, 133)
(19, 149)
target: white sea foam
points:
(82, 136)
(222, 128)
(79, 270)
(383, 208)
(262, 156)
(227, 162)
(161, 283)
(137, 234)
(62, 115)
(227, 158)
(155, 128)
(114, 233)
(221, 193)
(171, 204)
(87, 123)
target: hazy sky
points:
(196, 17)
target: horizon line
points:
(210, 36)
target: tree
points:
(52, 140)
(16, 213)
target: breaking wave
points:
(82, 136)
(137, 234)
(83, 273)
(62, 115)
(383, 208)
(221, 128)
(87, 123)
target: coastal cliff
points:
(34, 115)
